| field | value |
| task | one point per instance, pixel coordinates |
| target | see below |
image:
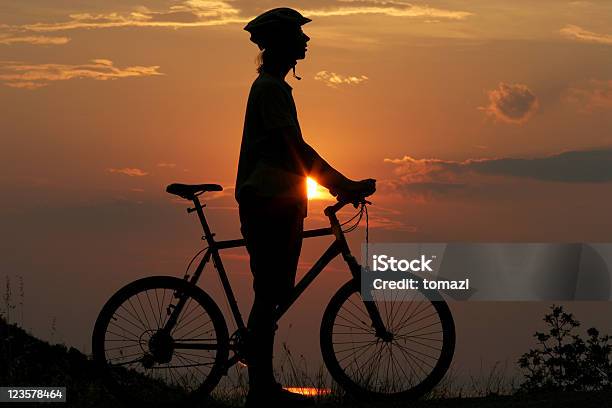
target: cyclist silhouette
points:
(271, 191)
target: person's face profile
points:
(298, 44)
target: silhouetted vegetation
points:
(564, 361)
(25, 360)
(28, 361)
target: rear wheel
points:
(145, 365)
(404, 364)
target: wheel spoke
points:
(376, 364)
(133, 359)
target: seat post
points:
(199, 209)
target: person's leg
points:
(274, 240)
(260, 341)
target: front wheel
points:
(148, 362)
(403, 365)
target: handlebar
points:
(332, 209)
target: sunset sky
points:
(481, 120)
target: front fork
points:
(355, 268)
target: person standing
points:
(271, 191)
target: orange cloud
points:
(33, 76)
(390, 8)
(511, 103)
(7, 39)
(427, 179)
(166, 165)
(129, 171)
(578, 33)
(201, 13)
(333, 80)
(189, 13)
(593, 96)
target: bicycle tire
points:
(137, 384)
(366, 386)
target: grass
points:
(26, 361)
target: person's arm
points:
(285, 147)
(309, 161)
(291, 152)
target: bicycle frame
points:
(338, 247)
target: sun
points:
(312, 188)
(315, 191)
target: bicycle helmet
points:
(264, 27)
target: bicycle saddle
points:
(189, 191)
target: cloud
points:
(388, 8)
(32, 76)
(575, 32)
(426, 179)
(189, 13)
(6, 39)
(200, 13)
(333, 80)
(580, 3)
(25, 85)
(593, 96)
(511, 103)
(166, 165)
(129, 171)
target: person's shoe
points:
(276, 396)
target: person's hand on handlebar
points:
(354, 190)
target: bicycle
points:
(163, 340)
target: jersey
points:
(268, 167)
